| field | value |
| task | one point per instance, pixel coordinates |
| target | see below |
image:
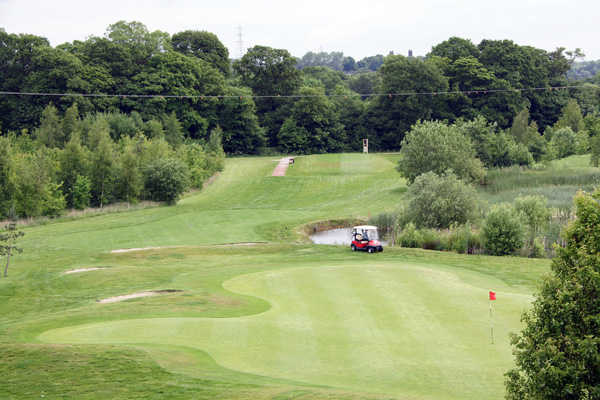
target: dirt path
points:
(282, 167)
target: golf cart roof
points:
(365, 227)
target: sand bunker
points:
(240, 244)
(74, 271)
(174, 247)
(142, 248)
(149, 293)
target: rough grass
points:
(558, 181)
(277, 321)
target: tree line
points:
(102, 158)
(489, 79)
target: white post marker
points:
(365, 145)
(492, 298)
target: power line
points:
(295, 96)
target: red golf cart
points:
(365, 238)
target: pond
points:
(342, 236)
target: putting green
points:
(385, 327)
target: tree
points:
(391, 116)
(440, 201)
(521, 130)
(102, 168)
(172, 73)
(8, 240)
(571, 117)
(16, 62)
(535, 212)
(564, 142)
(292, 138)
(435, 146)
(81, 192)
(328, 78)
(203, 45)
(269, 72)
(165, 180)
(73, 162)
(50, 132)
(455, 48)
(129, 183)
(7, 176)
(37, 192)
(135, 36)
(315, 117)
(364, 82)
(595, 146)
(70, 122)
(557, 353)
(242, 133)
(172, 130)
(502, 230)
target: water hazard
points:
(342, 236)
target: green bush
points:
(564, 142)
(439, 201)
(433, 240)
(81, 192)
(165, 180)
(434, 146)
(537, 249)
(502, 230)
(463, 240)
(535, 212)
(410, 236)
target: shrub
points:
(595, 147)
(463, 240)
(564, 142)
(385, 223)
(435, 146)
(81, 192)
(439, 201)
(165, 180)
(534, 211)
(502, 230)
(410, 236)
(433, 240)
(537, 249)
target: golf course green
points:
(248, 308)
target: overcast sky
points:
(358, 28)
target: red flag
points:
(492, 295)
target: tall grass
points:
(499, 180)
(557, 181)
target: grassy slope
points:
(404, 322)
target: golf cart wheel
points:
(353, 247)
(371, 250)
(380, 249)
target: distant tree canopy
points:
(204, 45)
(189, 78)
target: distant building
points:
(410, 53)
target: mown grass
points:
(328, 323)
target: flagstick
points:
(491, 322)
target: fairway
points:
(278, 319)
